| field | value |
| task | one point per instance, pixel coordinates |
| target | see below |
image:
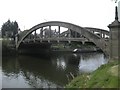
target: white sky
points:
(119, 10)
(85, 13)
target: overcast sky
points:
(85, 13)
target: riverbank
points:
(8, 47)
(105, 76)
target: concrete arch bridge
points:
(64, 32)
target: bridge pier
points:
(114, 37)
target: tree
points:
(9, 29)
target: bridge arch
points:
(102, 32)
(98, 41)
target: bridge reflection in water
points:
(48, 71)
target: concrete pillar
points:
(50, 33)
(69, 42)
(83, 42)
(75, 34)
(114, 38)
(58, 31)
(69, 34)
(35, 35)
(103, 35)
(58, 41)
(41, 32)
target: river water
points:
(47, 71)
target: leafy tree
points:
(9, 29)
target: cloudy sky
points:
(85, 13)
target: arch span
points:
(102, 31)
(86, 33)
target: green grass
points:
(104, 77)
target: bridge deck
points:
(56, 39)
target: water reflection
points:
(61, 63)
(90, 64)
(48, 72)
(0, 77)
(0, 64)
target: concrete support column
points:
(75, 34)
(103, 35)
(83, 42)
(69, 34)
(114, 38)
(41, 32)
(50, 33)
(69, 42)
(35, 34)
(58, 31)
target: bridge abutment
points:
(114, 37)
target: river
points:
(47, 71)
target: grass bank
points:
(105, 76)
